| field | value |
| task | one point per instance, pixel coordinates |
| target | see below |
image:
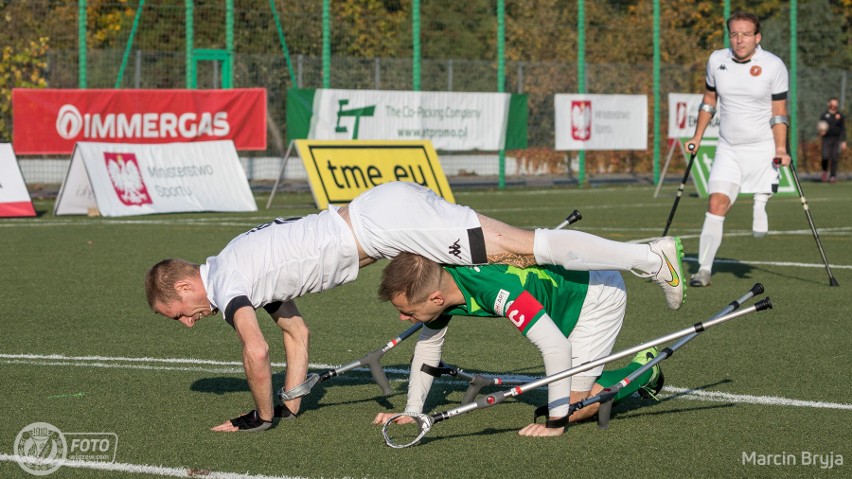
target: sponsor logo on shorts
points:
(455, 249)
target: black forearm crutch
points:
(371, 360)
(831, 280)
(425, 422)
(681, 187)
(475, 381)
(606, 397)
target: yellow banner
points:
(341, 170)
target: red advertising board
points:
(51, 121)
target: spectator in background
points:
(832, 129)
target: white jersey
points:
(744, 93)
(281, 260)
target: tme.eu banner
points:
(51, 121)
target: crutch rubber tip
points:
(833, 282)
(604, 414)
(763, 304)
(757, 289)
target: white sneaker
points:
(700, 279)
(670, 275)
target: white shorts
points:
(405, 217)
(747, 166)
(600, 322)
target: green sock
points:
(611, 378)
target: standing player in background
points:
(748, 86)
(833, 139)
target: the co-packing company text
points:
(439, 114)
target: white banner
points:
(134, 179)
(683, 115)
(601, 122)
(14, 197)
(452, 121)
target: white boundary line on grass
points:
(147, 469)
(235, 367)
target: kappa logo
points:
(455, 249)
(722, 67)
(127, 179)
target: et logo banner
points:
(341, 170)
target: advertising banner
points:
(683, 116)
(601, 122)
(14, 198)
(52, 121)
(340, 170)
(116, 179)
(451, 121)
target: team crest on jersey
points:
(756, 71)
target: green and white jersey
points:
(521, 295)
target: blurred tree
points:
(21, 67)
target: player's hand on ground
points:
(383, 417)
(540, 430)
(249, 422)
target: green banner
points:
(704, 160)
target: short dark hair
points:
(412, 275)
(747, 16)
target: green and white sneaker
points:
(670, 275)
(655, 384)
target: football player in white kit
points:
(273, 263)
(748, 85)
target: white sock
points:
(760, 220)
(711, 239)
(580, 251)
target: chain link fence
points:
(158, 59)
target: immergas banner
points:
(52, 121)
(14, 198)
(683, 115)
(123, 179)
(601, 122)
(451, 121)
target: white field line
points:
(145, 469)
(234, 367)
